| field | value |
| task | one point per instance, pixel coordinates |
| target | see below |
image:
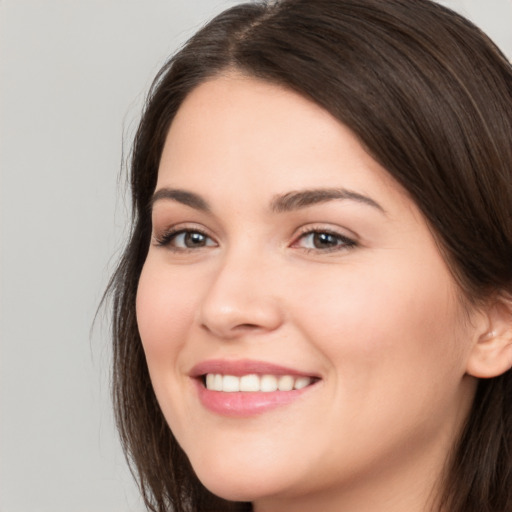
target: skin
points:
(379, 320)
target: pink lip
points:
(243, 367)
(244, 404)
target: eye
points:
(317, 240)
(184, 240)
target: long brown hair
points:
(430, 98)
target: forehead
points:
(255, 114)
(235, 126)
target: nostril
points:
(228, 317)
(240, 328)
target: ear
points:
(491, 355)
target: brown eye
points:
(191, 239)
(185, 239)
(324, 241)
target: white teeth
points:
(230, 384)
(268, 383)
(217, 382)
(285, 383)
(250, 383)
(302, 382)
(254, 383)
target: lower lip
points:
(246, 404)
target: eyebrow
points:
(181, 196)
(304, 198)
(290, 201)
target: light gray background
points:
(73, 76)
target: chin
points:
(235, 489)
(240, 485)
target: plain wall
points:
(73, 75)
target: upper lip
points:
(242, 367)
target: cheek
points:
(163, 314)
(384, 327)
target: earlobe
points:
(491, 354)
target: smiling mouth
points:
(254, 383)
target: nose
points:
(241, 299)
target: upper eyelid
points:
(326, 228)
(163, 222)
(160, 235)
(181, 226)
(320, 227)
(348, 240)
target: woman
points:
(314, 308)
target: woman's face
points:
(284, 256)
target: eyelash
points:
(342, 242)
(166, 238)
